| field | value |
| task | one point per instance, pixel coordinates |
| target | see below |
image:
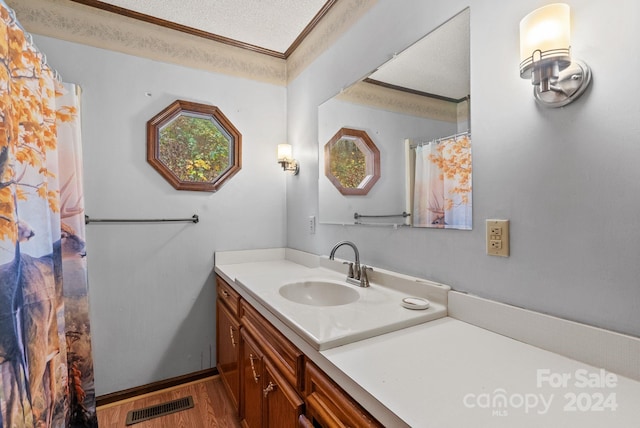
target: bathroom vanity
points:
(269, 378)
(274, 376)
(372, 362)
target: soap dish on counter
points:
(415, 303)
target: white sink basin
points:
(319, 293)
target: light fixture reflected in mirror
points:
(545, 56)
(286, 160)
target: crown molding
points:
(178, 27)
(80, 23)
(334, 23)
(75, 22)
(404, 102)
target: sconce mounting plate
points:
(293, 167)
(571, 83)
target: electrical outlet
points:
(498, 238)
(312, 225)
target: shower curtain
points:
(442, 184)
(46, 367)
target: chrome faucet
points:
(354, 275)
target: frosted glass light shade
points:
(545, 57)
(545, 36)
(285, 152)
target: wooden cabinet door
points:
(228, 350)
(282, 405)
(288, 359)
(329, 406)
(251, 378)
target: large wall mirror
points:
(416, 110)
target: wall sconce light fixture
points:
(286, 160)
(545, 56)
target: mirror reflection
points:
(352, 162)
(415, 108)
(347, 164)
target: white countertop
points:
(447, 373)
(377, 311)
(442, 373)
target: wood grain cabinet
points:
(252, 366)
(327, 405)
(228, 340)
(271, 367)
(272, 383)
(282, 404)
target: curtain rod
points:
(88, 220)
(437, 140)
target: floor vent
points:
(135, 416)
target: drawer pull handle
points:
(225, 293)
(256, 376)
(233, 339)
(269, 388)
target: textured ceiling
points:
(271, 24)
(437, 64)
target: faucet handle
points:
(364, 278)
(350, 275)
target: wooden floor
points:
(212, 408)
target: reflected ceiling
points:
(438, 64)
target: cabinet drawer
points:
(228, 296)
(288, 359)
(329, 406)
(228, 350)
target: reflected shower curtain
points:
(46, 368)
(442, 185)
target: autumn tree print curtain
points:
(442, 184)
(46, 367)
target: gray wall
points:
(152, 291)
(568, 179)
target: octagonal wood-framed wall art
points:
(194, 146)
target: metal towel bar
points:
(357, 216)
(88, 220)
